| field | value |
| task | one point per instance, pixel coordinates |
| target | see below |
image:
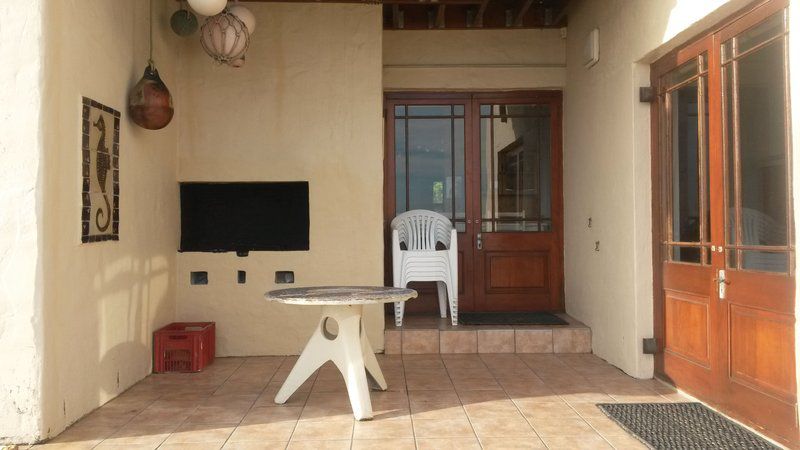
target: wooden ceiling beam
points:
(520, 17)
(562, 15)
(440, 16)
(479, 15)
(397, 20)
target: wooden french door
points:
(723, 206)
(491, 162)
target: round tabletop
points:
(341, 295)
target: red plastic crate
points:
(183, 347)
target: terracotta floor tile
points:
(448, 444)
(442, 428)
(583, 442)
(199, 433)
(384, 444)
(140, 435)
(383, 428)
(191, 446)
(605, 426)
(272, 415)
(625, 442)
(320, 445)
(323, 431)
(587, 409)
(497, 408)
(256, 445)
(491, 443)
(508, 426)
(280, 431)
(560, 426)
(542, 410)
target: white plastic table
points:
(349, 349)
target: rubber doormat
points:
(509, 318)
(682, 426)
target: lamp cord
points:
(150, 60)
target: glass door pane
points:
(755, 118)
(684, 118)
(515, 168)
(429, 160)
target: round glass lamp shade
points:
(224, 37)
(208, 7)
(245, 15)
(150, 103)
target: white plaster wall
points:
(102, 301)
(20, 220)
(473, 59)
(607, 165)
(306, 106)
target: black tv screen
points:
(242, 217)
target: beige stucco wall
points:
(102, 301)
(20, 220)
(607, 165)
(473, 59)
(306, 106)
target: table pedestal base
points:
(349, 350)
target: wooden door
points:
(725, 291)
(492, 164)
(427, 146)
(517, 199)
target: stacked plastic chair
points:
(425, 248)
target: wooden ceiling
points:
(463, 14)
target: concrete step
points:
(429, 334)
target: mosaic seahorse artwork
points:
(103, 165)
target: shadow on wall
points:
(128, 295)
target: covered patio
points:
(619, 171)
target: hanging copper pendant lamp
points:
(150, 103)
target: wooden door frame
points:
(711, 38)
(550, 96)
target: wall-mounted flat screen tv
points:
(243, 217)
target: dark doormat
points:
(682, 426)
(509, 318)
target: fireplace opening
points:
(243, 217)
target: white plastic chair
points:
(419, 231)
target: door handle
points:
(479, 242)
(722, 283)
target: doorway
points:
(724, 222)
(491, 163)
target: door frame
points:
(710, 38)
(550, 96)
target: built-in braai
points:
(243, 217)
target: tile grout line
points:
(297, 422)
(471, 425)
(254, 402)
(515, 403)
(212, 394)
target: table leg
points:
(350, 352)
(371, 363)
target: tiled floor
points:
(434, 401)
